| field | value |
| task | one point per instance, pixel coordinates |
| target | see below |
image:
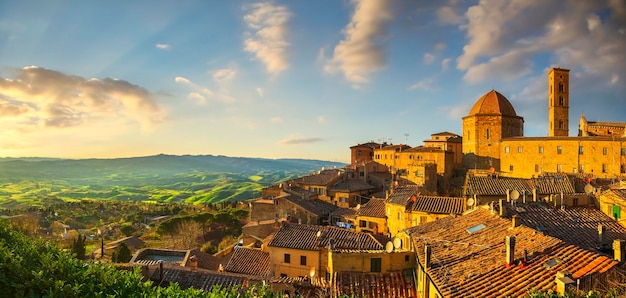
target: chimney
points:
(601, 230)
(427, 255)
(564, 282)
(534, 195)
(508, 195)
(515, 221)
(502, 208)
(161, 275)
(510, 250)
(193, 262)
(619, 250)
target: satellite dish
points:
(389, 247)
(589, 189)
(397, 243)
(515, 194)
(470, 202)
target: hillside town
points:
(487, 213)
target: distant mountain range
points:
(162, 165)
(161, 178)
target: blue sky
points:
(302, 79)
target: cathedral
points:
(493, 138)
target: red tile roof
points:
(380, 285)
(436, 204)
(575, 225)
(497, 186)
(198, 278)
(373, 208)
(349, 185)
(323, 177)
(249, 261)
(315, 206)
(473, 264)
(305, 237)
(400, 195)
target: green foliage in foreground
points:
(613, 293)
(36, 268)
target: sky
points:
(291, 79)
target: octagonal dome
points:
(493, 103)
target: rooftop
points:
(249, 261)
(400, 195)
(315, 206)
(493, 103)
(373, 208)
(348, 185)
(498, 186)
(470, 262)
(313, 237)
(436, 204)
(392, 284)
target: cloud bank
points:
(40, 97)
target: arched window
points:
(561, 87)
(561, 124)
(561, 101)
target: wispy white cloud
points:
(276, 120)
(296, 139)
(360, 52)
(425, 84)
(224, 74)
(445, 63)
(267, 38)
(162, 46)
(321, 119)
(449, 15)
(42, 98)
(429, 58)
(259, 91)
(199, 93)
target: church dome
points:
(493, 103)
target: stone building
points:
(493, 138)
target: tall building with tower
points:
(558, 102)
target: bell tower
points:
(558, 102)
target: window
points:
(561, 101)
(287, 258)
(475, 228)
(423, 219)
(581, 168)
(519, 149)
(575, 202)
(376, 264)
(511, 168)
(468, 135)
(616, 212)
(536, 168)
(362, 224)
(561, 87)
(488, 134)
(303, 260)
(581, 149)
(559, 168)
(406, 258)
(623, 152)
(372, 225)
(561, 124)
(605, 151)
(559, 150)
(540, 150)
(603, 168)
(506, 149)
(419, 157)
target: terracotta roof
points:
(472, 264)
(619, 193)
(552, 185)
(351, 185)
(249, 261)
(315, 206)
(344, 212)
(445, 133)
(372, 145)
(305, 237)
(493, 103)
(400, 195)
(198, 278)
(373, 208)
(605, 123)
(575, 225)
(205, 260)
(323, 177)
(435, 204)
(392, 284)
(424, 149)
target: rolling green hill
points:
(160, 178)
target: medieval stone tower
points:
(558, 102)
(492, 119)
